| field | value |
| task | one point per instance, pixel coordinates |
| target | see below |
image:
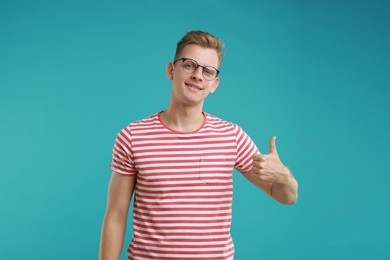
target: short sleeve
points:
(122, 156)
(246, 148)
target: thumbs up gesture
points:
(269, 168)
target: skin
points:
(269, 174)
(184, 114)
(120, 192)
(189, 91)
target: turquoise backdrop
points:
(314, 73)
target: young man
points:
(180, 163)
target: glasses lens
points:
(189, 66)
(209, 73)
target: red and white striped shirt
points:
(183, 195)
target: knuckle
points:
(262, 165)
(263, 177)
(256, 157)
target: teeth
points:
(192, 86)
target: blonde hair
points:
(202, 39)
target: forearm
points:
(286, 193)
(111, 243)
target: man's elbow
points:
(292, 199)
(285, 195)
(293, 194)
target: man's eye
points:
(210, 72)
(190, 65)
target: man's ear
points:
(169, 70)
(215, 85)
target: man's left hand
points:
(269, 168)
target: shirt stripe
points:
(183, 195)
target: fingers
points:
(258, 157)
(267, 167)
(259, 160)
(259, 165)
(272, 145)
(262, 174)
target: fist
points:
(268, 167)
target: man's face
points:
(192, 88)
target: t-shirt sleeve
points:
(122, 155)
(246, 148)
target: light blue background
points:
(314, 73)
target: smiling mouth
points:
(193, 86)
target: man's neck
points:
(183, 119)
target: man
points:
(179, 162)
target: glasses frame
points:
(197, 66)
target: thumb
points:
(272, 145)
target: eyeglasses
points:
(190, 66)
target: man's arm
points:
(269, 174)
(120, 192)
(284, 193)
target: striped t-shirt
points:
(183, 194)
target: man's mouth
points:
(193, 86)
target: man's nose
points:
(198, 73)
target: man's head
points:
(202, 39)
(194, 71)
